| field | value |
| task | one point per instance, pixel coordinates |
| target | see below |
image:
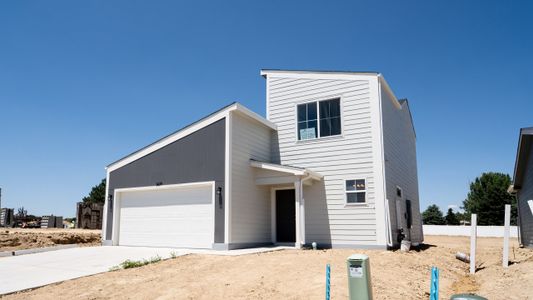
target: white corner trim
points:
(106, 206)
(267, 97)
(380, 190)
(228, 178)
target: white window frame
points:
(318, 137)
(346, 192)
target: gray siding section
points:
(525, 194)
(194, 158)
(399, 146)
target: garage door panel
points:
(181, 217)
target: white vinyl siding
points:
(525, 194)
(338, 158)
(250, 203)
(399, 144)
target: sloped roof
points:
(525, 140)
(176, 135)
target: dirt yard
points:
(25, 238)
(293, 274)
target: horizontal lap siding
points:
(250, 204)
(328, 219)
(399, 143)
(525, 194)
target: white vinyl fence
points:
(460, 230)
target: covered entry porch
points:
(287, 199)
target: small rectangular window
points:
(355, 191)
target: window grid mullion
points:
(318, 119)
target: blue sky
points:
(85, 83)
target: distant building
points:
(7, 217)
(89, 215)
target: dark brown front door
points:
(285, 216)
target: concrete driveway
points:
(35, 270)
(23, 272)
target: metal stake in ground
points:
(434, 287)
(327, 281)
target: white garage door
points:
(167, 217)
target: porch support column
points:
(298, 215)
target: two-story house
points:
(333, 162)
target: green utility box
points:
(359, 281)
(467, 297)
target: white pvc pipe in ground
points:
(473, 236)
(507, 224)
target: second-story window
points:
(326, 122)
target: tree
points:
(21, 212)
(97, 194)
(451, 218)
(487, 198)
(433, 216)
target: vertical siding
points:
(350, 156)
(525, 194)
(399, 143)
(250, 204)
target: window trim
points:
(346, 192)
(316, 101)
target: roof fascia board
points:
(389, 91)
(524, 143)
(239, 108)
(171, 138)
(278, 168)
(286, 169)
(410, 116)
(316, 75)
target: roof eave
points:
(524, 143)
(193, 127)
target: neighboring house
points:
(89, 215)
(523, 186)
(333, 162)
